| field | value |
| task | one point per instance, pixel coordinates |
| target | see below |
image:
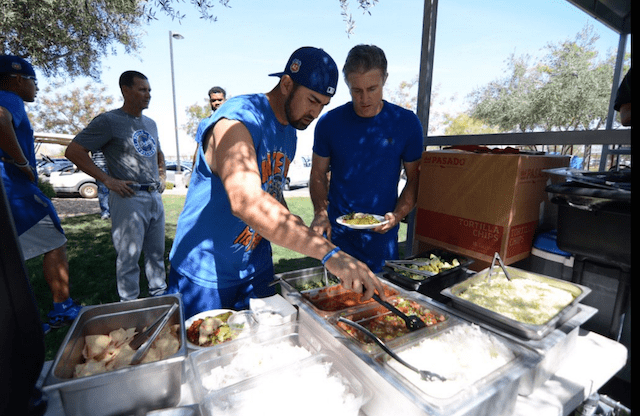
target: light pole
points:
(172, 36)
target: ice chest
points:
(477, 204)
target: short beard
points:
(297, 124)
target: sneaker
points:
(46, 328)
(63, 313)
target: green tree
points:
(195, 113)
(70, 112)
(69, 37)
(569, 89)
(464, 124)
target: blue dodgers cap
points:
(10, 64)
(313, 68)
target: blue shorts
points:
(196, 298)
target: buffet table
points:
(577, 376)
(549, 375)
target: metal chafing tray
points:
(432, 283)
(299, 280)
(553, 348)
(527, 331)
(393, 394)
(363, 315)
(149, 386)
(325, 301)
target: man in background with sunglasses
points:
(35, 218)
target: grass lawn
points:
(92, 260)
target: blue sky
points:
(252, 39)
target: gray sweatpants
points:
(137, 226)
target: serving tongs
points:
(401, 265)
(424, 374)
(142, 341)
(412, 321)
(496, 256)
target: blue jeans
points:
(103, 196)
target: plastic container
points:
(220, 359)
(317, 386)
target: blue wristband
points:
(329, 255)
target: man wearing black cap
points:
(35, 218)
(221, 257)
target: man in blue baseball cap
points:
(35, 218)
(221, 255)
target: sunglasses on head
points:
(33, 77)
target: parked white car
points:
(73, 181)
(299, 173)
(185, 168)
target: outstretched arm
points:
(231, 156)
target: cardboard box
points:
(477, 204)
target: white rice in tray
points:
(311, 390)
(463, 355)
(253, 359)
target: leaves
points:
(70, 112)
(69, 37)
(568, 89)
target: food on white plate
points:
(524, 300)
(358, 218)
(463, 355)
(211, 330)
(102, 353)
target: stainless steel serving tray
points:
(393, 394)
(365, 313)
(296, 280)
(527, 331)
(149, 386)
(325, 301)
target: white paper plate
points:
(340, 220)
(202, 315)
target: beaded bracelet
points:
(329, 255)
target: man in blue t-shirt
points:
(34, 216)
(362, 146)
(221, 254)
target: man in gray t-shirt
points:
(135, 178)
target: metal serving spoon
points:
(412, 321)
(424, 374)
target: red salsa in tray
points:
(386, 325)
(335, 298)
